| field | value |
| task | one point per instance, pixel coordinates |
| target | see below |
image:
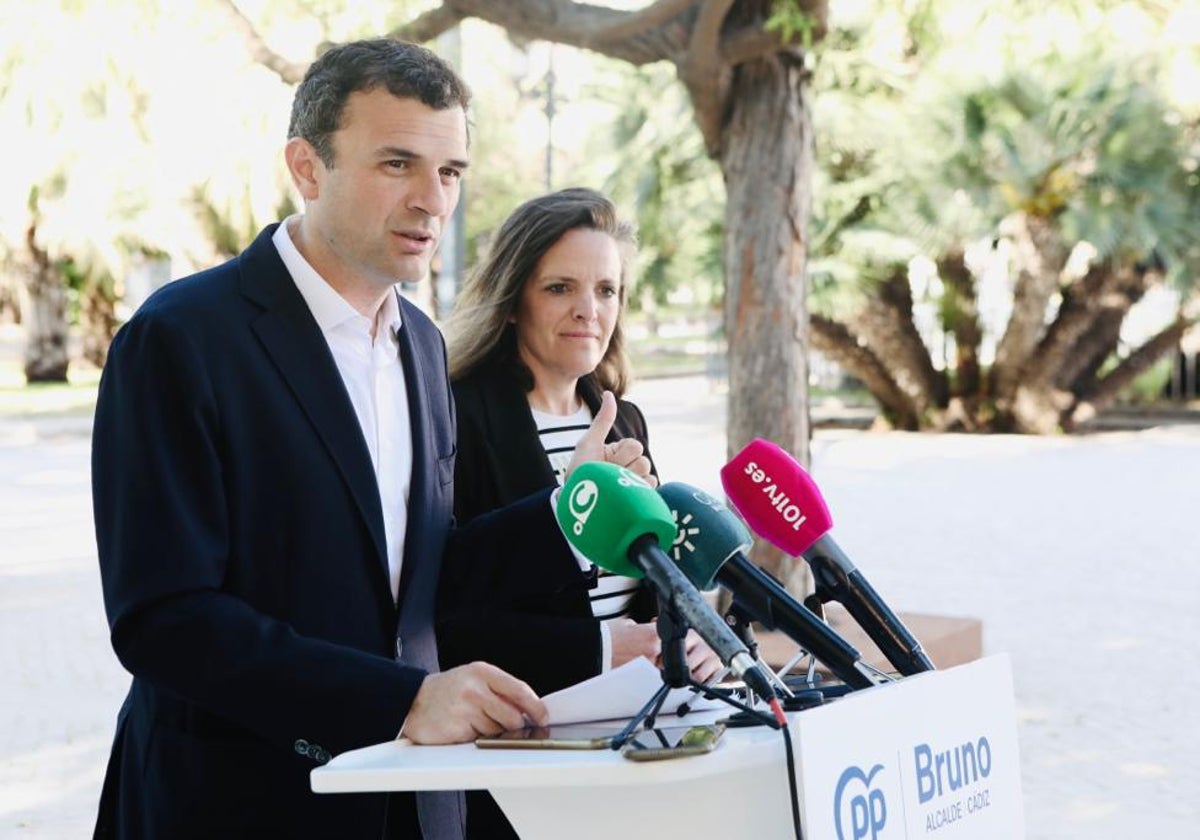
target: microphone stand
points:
(672, 632)
(740, 624)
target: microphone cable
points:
(791, 771)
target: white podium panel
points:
(869, 767)
(930, 756)
(595, 794)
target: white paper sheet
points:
(620, 693)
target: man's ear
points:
(305, 166)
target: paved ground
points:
(1079, 555)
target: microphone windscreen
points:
(707, 533)
(603, 508)
(777, 498)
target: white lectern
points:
(930, 755)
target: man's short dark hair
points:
(405, 70)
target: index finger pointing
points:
(602, 423)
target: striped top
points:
(611, 594)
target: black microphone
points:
(781, 502)
(710, 545)
(839, 580)
(619, 522)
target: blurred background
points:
(1002, 196)
(878, 232)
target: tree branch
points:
(703, 49)
(964, 321)
(584, 25)
(1081, 301)
(428, 26)
(1108, 388)
(1039, 255)
(703, 73)
(290, 72)
(1100, 338)
(755, 41)
(640, 22)
(841, 345)
(751, 42)
(886, 324)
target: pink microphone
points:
(781, 503)
(777, 498)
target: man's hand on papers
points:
(458, 705)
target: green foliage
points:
(1149, 387)
(228, 228)
(791, 22)
(934, 152)
(500, 178)
(654, 160)
(939, 121)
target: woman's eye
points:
(608, 292)
(556, 288)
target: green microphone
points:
(620, 523)
(604, 508)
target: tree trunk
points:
(1100, 340)
(1040, 257)
(887, 325)
(964, 322)
(44, 315)
(1109, 387)
(768, 177)
(97, 319)
(10, 308)
(1080, 305)
(1039, 405)
(843, 347)
(649, 312)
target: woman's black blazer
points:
(534, 619)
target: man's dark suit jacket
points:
(242, 555)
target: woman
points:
(534, 340)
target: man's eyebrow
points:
(392, 152)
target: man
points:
(273, 463)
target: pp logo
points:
(857, 803)
(581, 503)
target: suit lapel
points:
(292, 339)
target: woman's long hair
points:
(479, 332)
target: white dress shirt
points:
(374, 378)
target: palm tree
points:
(1074, 154)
